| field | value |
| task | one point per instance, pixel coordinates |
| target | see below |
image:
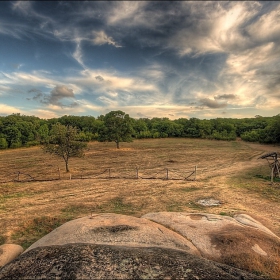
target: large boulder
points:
(8, 252)
(240, 241)
(116, 229)
(89, 261)
(158, 245)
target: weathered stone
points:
(209, 202)
(249, 221)
(89, 261)
(116, 230)
(8, 252)
(238, 241)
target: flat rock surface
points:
(240, 241)
(89, 261)
(8, 252)
(116, 229)
(249, 221)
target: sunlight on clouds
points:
(154, 72)
(218, 56)
(87, 105)
(8, 110)
(125, 10)
(107, 101)
(5, 90)
(267, 27)
(45, 114)
(26, 78)
(252, 59)
(112, 93)
(101, 38)
(152, 111)
(242, 73)
(218, 31)
(113, 82)
(78, 55)
(22, 6)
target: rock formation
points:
(157, 245)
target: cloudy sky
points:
(148, 59)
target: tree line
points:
(18, 130)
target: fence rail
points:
(109, 173)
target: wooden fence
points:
(108, 173)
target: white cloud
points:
(8, 110)
(24, 7)
(126, 12)
(24, 78)
(45, 114)
(154, 72)
(101, 38)
(113, 82)
(248, 61)
(78, 55)
(267, 28)
(216, 27)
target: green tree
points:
(117, 127)
(63, 143)
(43, 132)
(3, 143)
(13, 136)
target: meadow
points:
(228, 171)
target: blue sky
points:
(149, 59)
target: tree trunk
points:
(118, 144)
(66, 165)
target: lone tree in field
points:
(117, 128)
(62, 142)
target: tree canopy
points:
(117, 128)
(24, 131)
(63, 143)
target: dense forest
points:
(23, 131)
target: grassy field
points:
(227, 171)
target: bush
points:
(32, 143)
(251, 136)
(15, 145)
(3, 143)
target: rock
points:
(209, 202)
(259, 250)
(241, 241)
(89, 261)
(116, 229)
(8, 252)
(249, 221)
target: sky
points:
(147, 58)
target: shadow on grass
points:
(257, 180)
(116, 205)
(33, 230)
(2, 239)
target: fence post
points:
(272, 173)
(58, 173)
(137, 177)
(70, 176)
(166, 173)
(18, 175)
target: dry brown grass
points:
(236, 245)
(226, 179)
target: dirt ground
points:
(226, 171)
